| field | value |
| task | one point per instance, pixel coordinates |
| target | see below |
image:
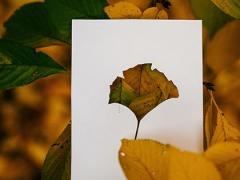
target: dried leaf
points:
(151, 160)
(142, 89)
(123, 10)
(226, 156)
(141, 4)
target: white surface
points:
(101, 50)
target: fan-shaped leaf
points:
(142, 89)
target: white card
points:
(101, 51)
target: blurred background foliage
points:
(33, 116)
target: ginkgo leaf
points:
(123, 10)
(217, 127)
(142, 4)
(226, 156)
(224, 131)
(150, 13)
(151, 160)
(142, 89)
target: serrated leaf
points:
(20, 65)
(151, 160)
(142, 89)
(213, 18)
(62, 12)
(226, 156)
(32, 26)
(57, 165)
(230, 7)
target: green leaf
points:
(57, 165)
(20, 65)
(230, 7)
(213, 18)
(63, 12)
(32, 26)
(43, 24)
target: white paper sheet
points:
(101, 50)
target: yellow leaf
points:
(226, 156)
(123, 10)
(150, 13)
(224, 131)
(217, 127)
(142, 89)
(151, 160)
(223, 50)
(141, 4)
(162, 15)
(210, 121)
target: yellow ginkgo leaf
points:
(217, 128)
(210, 120)
(123, 10)
(224, 131)
(226, 156)
(150, 13)
(151, 160)
(162, 15)
(142, 4)
(142, 89)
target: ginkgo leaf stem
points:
(136, 134)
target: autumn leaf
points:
(226, 156)
(142, 89)
(217, 128)
(151, 160)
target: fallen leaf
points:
(226, 156)
(230, 7)
(123, 10)
(151, 160)
(142, 89)
(141, 4)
